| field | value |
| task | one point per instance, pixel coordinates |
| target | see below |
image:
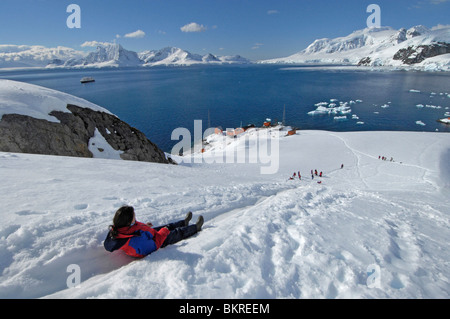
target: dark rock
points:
(365, 61)
(70, 137)
(417, 54)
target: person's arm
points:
(160, 236)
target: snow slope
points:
(379, 44)
(264, 237)
(37, 101)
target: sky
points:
(255, 29)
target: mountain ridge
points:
(105, 55)
(378, 47)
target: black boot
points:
(188, 218)
(199, 223)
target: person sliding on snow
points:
(139, 240)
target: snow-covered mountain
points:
(111, 54)
(380, 47)
(169, 56)
(177, 56)
(25, 56)
(105, 55)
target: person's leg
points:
(171, 226)
(179, 234)
(178, 224)
(183, 232)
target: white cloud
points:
(94, 44)
(135, 34)
(440, 26)
(257, 46)
(438, 1)
(193, 27)
(272, 12)
(426, 3)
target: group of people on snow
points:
(299, 175)
(314, 172)
(384, 158)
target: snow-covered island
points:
(418, 48)
(374, 228)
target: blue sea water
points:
(159, 100)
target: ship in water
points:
(87, 79)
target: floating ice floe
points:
(360, 123)
(384, 106)
(355, 117)
(346, 111)
(340, 118)
(420, 123)
(319, 111)
(420, 105)
(331, 109)
(414, 91)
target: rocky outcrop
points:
(70, 137)
(417, 54)
(365, 61)
(413, 54)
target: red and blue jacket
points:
(138, 240)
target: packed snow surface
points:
(265, 236)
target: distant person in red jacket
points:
(139, 240)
